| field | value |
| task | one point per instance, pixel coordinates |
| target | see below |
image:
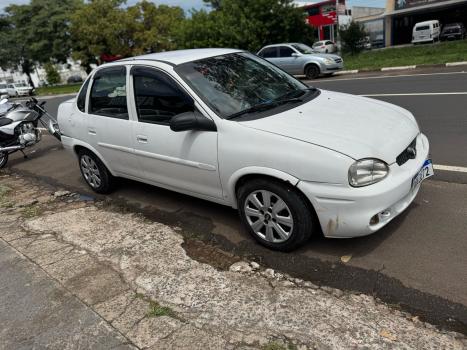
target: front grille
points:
(408, 153)
(338, 60)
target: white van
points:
(427, 31)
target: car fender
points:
(257, 171)
(312, 60)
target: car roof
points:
(281, 44)
(426, 22)
(177, 57)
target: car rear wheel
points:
(95, 173)
(312, 71)
(275, 214)
(3, 159)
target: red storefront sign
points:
(323, 14)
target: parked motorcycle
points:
(20, 126)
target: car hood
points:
(322, 55)
(356, 126)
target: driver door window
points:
(285, 51)
(157, 96)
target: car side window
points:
(108, 93)
(269, 52)
(158, 97)
(81, 100)
(285, 51)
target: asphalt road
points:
(418, 261)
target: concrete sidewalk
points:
(36, 312)
(137, 276)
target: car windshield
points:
(2, 86)
(233, 83)
(303, 48)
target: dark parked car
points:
(453, 31)
(74, 79)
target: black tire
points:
(107, 181)
(3, 159)
(312, 71)
(304, 218)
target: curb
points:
(345, 72)
(454, 64)
(388, 69)
(44, 97)
(385, 69)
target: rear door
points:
(270, 54)
(185, 161)
(108, 127)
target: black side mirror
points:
(191, 121)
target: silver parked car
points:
(300, 59)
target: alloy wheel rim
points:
(90, 171)
(2, 157)
(269, 216)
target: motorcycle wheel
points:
(3, 159)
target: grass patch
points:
(156, 310)
(439, 53)
(31, 211)
(276, 346)
(4, 191)
(58, 89)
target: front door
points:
(107, 122)
(287, 61)
(185, 161)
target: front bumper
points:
(23, 92)
(326, 69)
(345, 211)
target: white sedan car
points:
(229, 127)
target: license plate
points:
(425, 172)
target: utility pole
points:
(338, 43)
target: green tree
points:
(154, 26)
(36, 33)
(101, 27)
(53, 77)
(246, 24)
(215, 4)
(352, 37)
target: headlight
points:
(328, 61)
(365, 172)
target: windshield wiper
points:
(264, 106)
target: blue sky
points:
(189, 4)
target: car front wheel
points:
(275, 214)
(312, 71)
(95, 173)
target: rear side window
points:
(108, 93)
(158, 97)
(268, 52)
(422, 28)
(285, 51)
(81, 101)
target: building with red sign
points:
(323, 17)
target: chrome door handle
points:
(142, 138)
